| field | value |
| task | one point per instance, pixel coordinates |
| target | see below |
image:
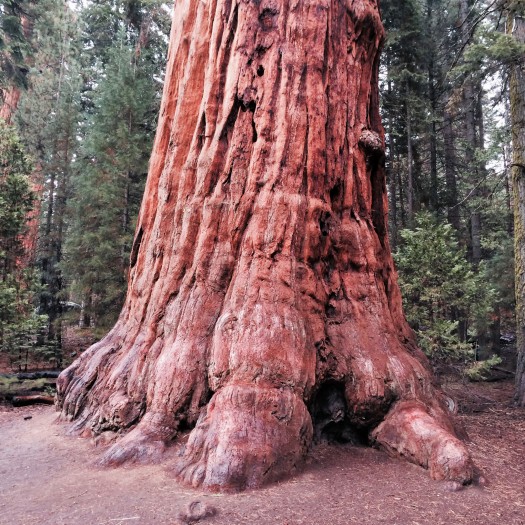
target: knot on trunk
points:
(371, 142)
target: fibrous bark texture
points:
(517, 109)
(262, 304)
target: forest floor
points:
(48, 478)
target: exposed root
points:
(248, 436)
(146, 443)
(411, 431)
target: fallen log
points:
(43, 374)
(21, 401)
(504, 370)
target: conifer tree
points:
(15, 48)
(18, 321)
(109, 182)
(443, 137)
(48, 120)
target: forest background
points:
(81, 84)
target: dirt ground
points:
(48, 478)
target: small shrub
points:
(478, 371)
(440, 289)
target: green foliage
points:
(490, 53)
(440, 289)
(16, 198)
(19, 323)
(109, 182)
(11, 385)
(478, 371)
(48, 120)
(14, 45)
(88, 119)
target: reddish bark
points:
(10, 99)
(30, 238)
(262, 299)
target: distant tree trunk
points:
(410, 161)
(471, 164)
(450, 172)
(33, 219)
(517, 111)
(10, 98)
(391, 180)
(434, 198)
(263, 302)
(470, 108)
(506, 152)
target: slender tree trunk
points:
(56, 283)
(472, 165)
(434, 198)
(262, 282)
(506, 152)
(46, 261)
(126, 221)
(401, 197)
(393, 194)
(517, 112)
(450, 172)
(410, 161)
(481, 172)
(391, 180)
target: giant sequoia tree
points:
(262, 302)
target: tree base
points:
(249, 435)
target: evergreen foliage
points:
(14, 45)
(88, 119)
(446, 121)
(48, 119)
(109, 182)
(440, 289)
(19, 324)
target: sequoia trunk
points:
(262, 300)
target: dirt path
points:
(46, 478)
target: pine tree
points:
(404, 63)
(109, 182)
